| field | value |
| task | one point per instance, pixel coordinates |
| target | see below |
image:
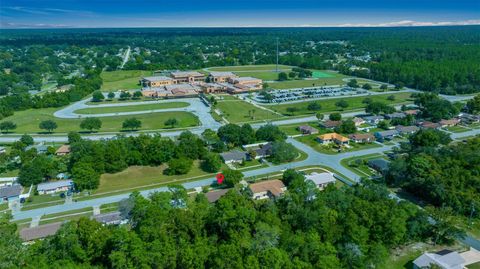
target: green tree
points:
(292, 110)
(347, 127)
(391, 98)
(97, 96)
(473, 105)
(335, 116)
(383, 125)
(171, 122)
(429, 138)
(367, 86)
(270, 132)
(283, 152)
(384, 87)
(85, 177)
(124, 95)
(132, 124)
(6, 126)
(292, 75)
(342, 104)
(137, 95)
(282, 76)
(111, 95)
(319, 116)
(91, 124)
(48, 125)
(179, 166)
(27, 140)
(352, 83)
(212, 163)
(232, 177)
(314, 106)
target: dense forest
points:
(307, 228)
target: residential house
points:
(221, 77)
(3, 150)
(469, 118)
(380, 165)
(29, 235)
(7, 181)
(406, 130)
(234, 156)
(362, 138)
(111, 218)
(395, 115)
(63, 150)
(321, 180)
(358, 121)
(386, 135)
(54, 186)
(263, 151)
(332, 137)
(429, 125)
(267, 189)
(374, 120)
(9, 193)
(330, 124)
(449, 123)
(444, 259)
(41, 148)
(214, 196)
(412, 112)
(307, 129)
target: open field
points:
(27, 121)
(264, 67)
(238, 111)
(122, 79)
(328, 105)
(292, 129)
(362, 169)
(324, 78)
(264, 75)
(116, 109)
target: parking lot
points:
(282, 96)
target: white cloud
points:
(411, 23)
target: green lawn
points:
(116, 109)
(143, 176)
(310, 140)
(328, 105)
(27, 121)
(362, 169)
(457, 129)
(122, 79)
(293, 128)
(322, 74)
(238, 111)
(474, 266)
(324, 78)
(249, 67)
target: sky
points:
(238, 13)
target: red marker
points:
(220, 178)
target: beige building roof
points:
(222, 74)
(64, 149)
(333, 136)
(178, 74)
(275, 187)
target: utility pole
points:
(277, 57)
(471, 216)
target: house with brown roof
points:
(362, 138)
(267, 189)
(39, 232)
(307, 129)
(63, 150)
(429, 125)
(412, 112)
(330, 124)
(220, 77)
(214, 196)
(332, 138)
(449, 123)
(358, 121)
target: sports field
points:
(263, 75)
(328, 105)
(324, 78)
(116, 109)
(241, 111)
(264, 67)
(321, 74)
(122, 79)
(27, 121)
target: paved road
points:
(126, 56)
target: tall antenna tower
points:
(276, 68)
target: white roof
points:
(54, 185)
(222, 74)
(320, 178)
(452, 260)
(186, 73)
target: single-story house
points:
(358, 121)
(381, 165)
(373, 119)
(267, 189)
(332, 137)
(54, 186)
(213, 196)
(63, 150)
(39, 232)
(449, 123)
(40, 148)
(111, 218)
(263, 151)
(7, 181)
(386, 135)
(429, 125)
(321, 180)
(330, 124)
(444, 259)
(412, 112)
(234, 156)
(307, 129)
(10, 193)
(469, 118)
(362, 138)
(395, 115)
(406, 130)
(3, 150)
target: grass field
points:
(264, 75)
(250, 67)
(292, 129)
(122, 79)
(141, 176)
(322, 74)
(328, 105)
(116, 109)
(238, 111)
(311, 141)
(27, 121)
(325, 78)
(362, 169)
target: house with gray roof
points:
(54, 186)
(10, 192)
(395, 115)
(41, 148)
(111, 218)
(321, 180)
(386, 135)
(444, 259)
(406, 130)
(234, 156)
(373, 119)
(39, 232)
(380, 165)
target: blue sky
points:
(239, 13)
